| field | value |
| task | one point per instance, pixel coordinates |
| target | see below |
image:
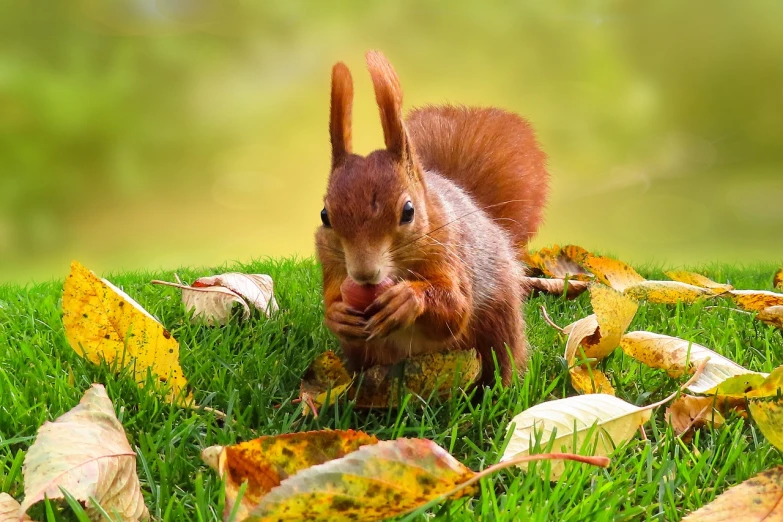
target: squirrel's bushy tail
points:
(490, 153)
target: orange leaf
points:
(777, 280)
(756, 499)
(756, 300)
(376, 482)
(689, 413)
(265, 462)
(692, 278)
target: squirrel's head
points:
(375, 206)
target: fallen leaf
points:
(772, 315)
(104, 323)
(265, 462)
(677, 356)
(326, 376)
(9, 509)
(692, 278)
(597, 335)
(610, 271)
(777, 280)
(754, 385)
(376, 482)
(755, 500)
(756, 300)
(596, 424)
(211, 299)
(426, 375)
(768, 416)
(689, 413)
(85, 452)
(666, 292)
(568, 287)
(554, 263)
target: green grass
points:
(251, 371)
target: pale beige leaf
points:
(666, 292)
(256, 289)
(570, 287)
(678, 356)
(772, 315)
(692, 278)
(9, 509)
(586, 424)
(85, 452)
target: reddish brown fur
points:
(457, 277)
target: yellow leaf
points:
(772, 315)
(756, 385)
(769, 418)
(755, 500)
(756, 300)
(587, 424)
(326, 376)
(9, 509)
(554, 263)
(85, 452)
(678, 356)
(777, 280)
(103, 322)
(666, 292)
(610, 271)
(266, 461)
(695, 279)
(586, 379)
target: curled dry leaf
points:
(568, 287)
(756, 300)
(752, 385)
(689, 413)
(85, 452)
(426, 375)
(265, 462)
(587, 424)
(692, 278)
(677, 356)
(772, 315)
(755, 500)
(777, 280)
(211, 299)
(376, 482)
(9, 509)
(104, 323)
(554, 262)
(769, 418)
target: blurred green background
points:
(157, 133)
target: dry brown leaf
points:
(755, 500)
(571, 288)
(772, 315)
(677, 356)
(689, 413)
(756, 300)
(104, 323)
(85, 452)
(211, 299)
(692, 278)
(9, 509)
(777, 280)
(554, 263)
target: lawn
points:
(251, 371)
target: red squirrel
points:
(434, 227)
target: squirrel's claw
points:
(398, 307)
(346, 322)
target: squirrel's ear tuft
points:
(340, 115)
(388, 95)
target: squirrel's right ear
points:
(388, 95)
(340, 115)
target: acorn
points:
(359, 296)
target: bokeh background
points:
(158, 133)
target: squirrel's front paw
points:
(398, 307)
(346, 322)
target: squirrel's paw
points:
(346, 322)
(398, 307)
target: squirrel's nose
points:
(366, 277)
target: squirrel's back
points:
(490, 153)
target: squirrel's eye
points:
(407, 213)
(325, 218)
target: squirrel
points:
(438, 222)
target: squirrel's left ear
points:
(340, 114)
(388, 95)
